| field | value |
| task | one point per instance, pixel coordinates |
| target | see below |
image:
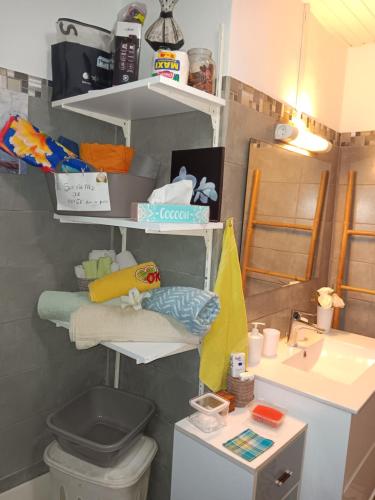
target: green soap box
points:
(171, 214)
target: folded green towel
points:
(91, 269)
(104, 266)
(58, 306)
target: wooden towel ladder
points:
(253, 222)
(346, 233)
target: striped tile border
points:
(259, 101)
(21, 82)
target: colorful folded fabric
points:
(107, 157)
(248, 445)
(195, 309)
(22, 139)
(144, 277)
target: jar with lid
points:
(202, 73)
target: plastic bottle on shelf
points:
(255, 345)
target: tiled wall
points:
(358, 314)
(243, 122)
(39, 368)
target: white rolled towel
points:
(79, 272)
(125, 259)
(94, 323)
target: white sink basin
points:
(337, 360)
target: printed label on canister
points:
(171, 64)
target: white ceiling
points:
(351, 20)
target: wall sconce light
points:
(300, 137)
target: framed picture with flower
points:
(204, 167)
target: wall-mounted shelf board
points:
(146, 352)
(148, 98)
(142, 352)
(148, 227)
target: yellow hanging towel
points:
(229, 331)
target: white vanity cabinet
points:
(204, 470)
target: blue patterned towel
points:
(195, 309)
(248, 445)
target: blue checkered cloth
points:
(248, 445)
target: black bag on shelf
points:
(81, 59)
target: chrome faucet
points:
(303, 318)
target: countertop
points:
(238, 421)
(349, 397)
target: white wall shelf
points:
(148, 98)
(142, 352)
(148, 227)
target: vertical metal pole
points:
(116, 381)
(220, 61)
(207, 269)
(208, 238)
(215, 120)
(116, 377)
(127, 128)
(123, 231)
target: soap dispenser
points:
(255, 345)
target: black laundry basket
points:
(100, 425)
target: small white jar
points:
(271, 338)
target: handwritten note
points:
(82, 192)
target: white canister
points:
(324, 318)
(173, 64)
(271, 338)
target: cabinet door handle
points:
(283, 478)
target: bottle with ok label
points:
(255, 345)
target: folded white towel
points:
(96, 254)
(92, 324)
(79, 272)
(115, 267)
(125, 259)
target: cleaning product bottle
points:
(255, 345)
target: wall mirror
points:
(283, 212)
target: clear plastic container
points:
(267, 413)
(202, 73)
(212, 412)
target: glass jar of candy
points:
(202, 72)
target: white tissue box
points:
(177, 214)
